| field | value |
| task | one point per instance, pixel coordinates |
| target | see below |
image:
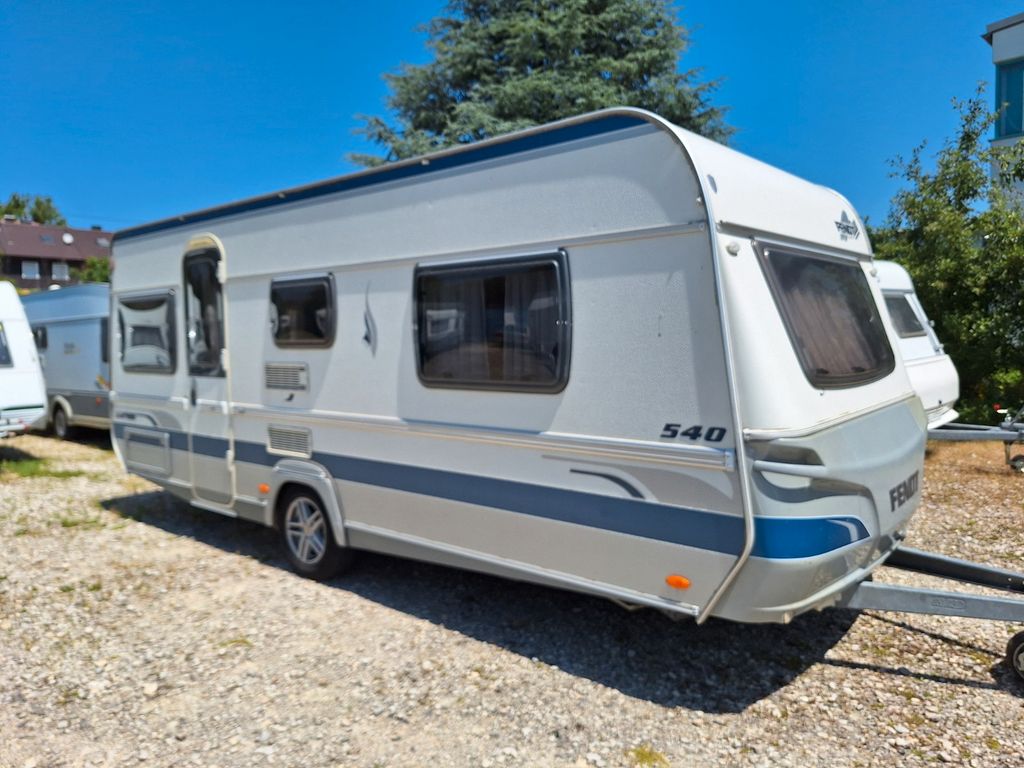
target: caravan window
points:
(832, 318)
(904, 319)
(302, 312)
(147, 333)
(39, 336)
(204, 314)
(495, 325)
(5, 351)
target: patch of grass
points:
(78, 521)
(67, 694)
(94, 586)
(32, 467)
(993, 743)
(237, 642)
(67, 588)
(646, 756)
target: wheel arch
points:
(308, 475)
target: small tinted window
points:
(39, 336)
(5, 351)
(105, 339)
(147, 333)
(498, 325)
(302, 312)
(904, 319)
(832, 318)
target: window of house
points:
(147, 333)
(904, 319)
(29, 270)
(302, 311)
(5, 351)
(59, 270)
(1010, 99)
(495, 325)
(39, 335)
(831, 316)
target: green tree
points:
(96, 269)
(503, 65)
(958, 230)
(37, 208)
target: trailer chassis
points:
(1009, 432)
(870, 595)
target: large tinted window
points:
(499, 325)
(302, 312)
(5, 351)
(904, 320)
(832, 318)
(147, 333)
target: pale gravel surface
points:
(136, 631)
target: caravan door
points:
(210, 437)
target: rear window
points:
(832, 318)
(904, 319)
(5, 351)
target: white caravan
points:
(605, 354)
(71, 329)
(931, 371)
(22, 394)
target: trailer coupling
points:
(869, 595)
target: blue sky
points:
(129, 112)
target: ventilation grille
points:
(286, 376)
(293, 441)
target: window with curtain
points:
(904, 319)
(832, 318)
(495, 325)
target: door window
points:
(204, 314)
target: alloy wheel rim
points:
(306, 531)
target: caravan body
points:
(21, 383)
(931, 371)
(71, 329)
(604, 354)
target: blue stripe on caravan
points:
(775, 537)
(399, 171)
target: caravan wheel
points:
(1015, 654)
(1017, 463)
(307, 536)
(61, 428)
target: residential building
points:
(35, 256)
(1007, 40)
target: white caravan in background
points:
(22, 394)
(71, 329)
(604, 354)
(931, 371)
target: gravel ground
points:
(137, 631)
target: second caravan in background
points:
(931, 371)
(71, 329)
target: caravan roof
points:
(741, 192)
(74, 302)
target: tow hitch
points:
(888, 597)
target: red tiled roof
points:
(39, 241)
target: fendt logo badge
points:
(903, 492)
(848, 229)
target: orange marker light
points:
(676, 581)
(264, 488)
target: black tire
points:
(307, 537)
(1015, 654)
(61, 428)
(1017, 463)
